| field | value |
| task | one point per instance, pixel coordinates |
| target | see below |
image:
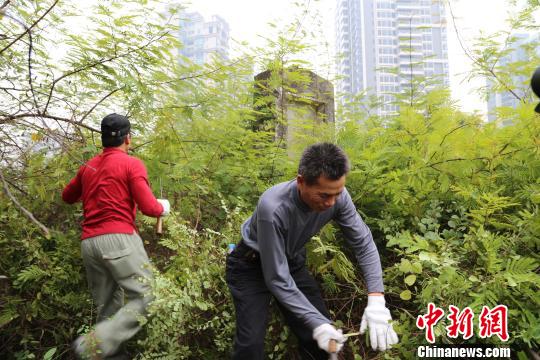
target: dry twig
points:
(22, 208)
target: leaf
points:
(7, 316)
(405, 295)
(201, 305)
(405, 266)
(411, 279)
(49, 354)
(511, 281)
(430, 257)
(417, 267)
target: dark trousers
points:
(251, 301)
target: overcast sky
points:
(248, 20)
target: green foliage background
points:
(453, 202)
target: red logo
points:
(494, 322)
(460, 323)
(429, 320)
(490, 322)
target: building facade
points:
(202, 40)
(518, 83)
(383, 45)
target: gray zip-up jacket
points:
(280, 227)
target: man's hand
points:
(326, 332)
(166, 206)
(377, 318)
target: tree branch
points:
(16, 187)
(9, 118)
(444, 138)
(98, 62)
(99, 102)
(27, 29)
(451, 131)
(4, 5)
(22, 208)
(475, 60)
(455, 159)
(200, 74)
(30, 81)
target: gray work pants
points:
(116, 267)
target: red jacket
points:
(111, 186)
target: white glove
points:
(376, 317)
(326, 332)
(166, 206)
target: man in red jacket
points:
(111, 186)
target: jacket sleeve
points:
(278, 278)
(141, 192)
(360, 239)
(73, 191)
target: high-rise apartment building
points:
(383, 44)
(518, 83)
(201, 40)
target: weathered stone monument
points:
(297, 104)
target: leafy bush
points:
(453, 203)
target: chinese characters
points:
(490, 322)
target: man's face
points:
(321, 195)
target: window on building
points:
(386, 32)
(387, 50)
(385, 14)
(386, 5)
(386, 23)
(387, 60)
(387, 78)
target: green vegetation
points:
(453, 202)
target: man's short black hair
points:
(114, 129)
(323, 159)
(535, 86)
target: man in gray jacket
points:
(270, 259)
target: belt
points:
(243, 251)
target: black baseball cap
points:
(113, 129)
